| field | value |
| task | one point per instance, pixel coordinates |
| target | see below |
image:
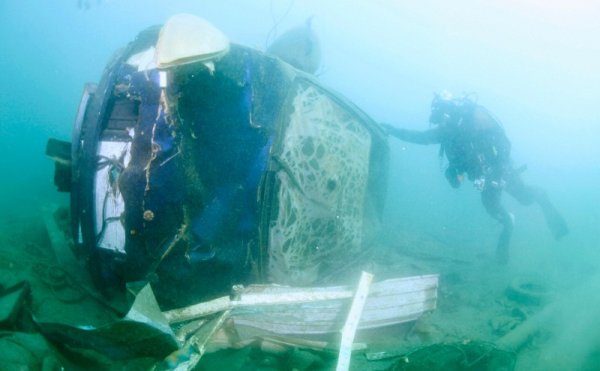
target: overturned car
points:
(196, 164)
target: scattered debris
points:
(11, 301)
(464, 356)
(143, 332)
(528, 291)
(23, 351)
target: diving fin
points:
(556, 224)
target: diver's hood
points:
(188, 39)
(299, 47)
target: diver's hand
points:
(387, 128)
(479, 184)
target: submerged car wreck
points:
(197, 164)
(194, 153)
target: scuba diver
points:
(299, 47)
(475, 144)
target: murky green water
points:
(533, 64)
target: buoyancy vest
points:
(475, 144)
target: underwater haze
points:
(534, 64)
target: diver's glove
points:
(479, 184)
(387, 128)
(482, 183)
(454, 177)
(391, 130)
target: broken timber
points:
(319, 310)
(349, 329)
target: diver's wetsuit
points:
(475, 144)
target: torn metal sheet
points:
(143, 332)
(11, 301)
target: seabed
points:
(481, 321)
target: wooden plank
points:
(316, 345)
(288, 296)
(198, 310)
(318, 310)
(188, 356)
(386, 305)
(349, 329)
(313, 324)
